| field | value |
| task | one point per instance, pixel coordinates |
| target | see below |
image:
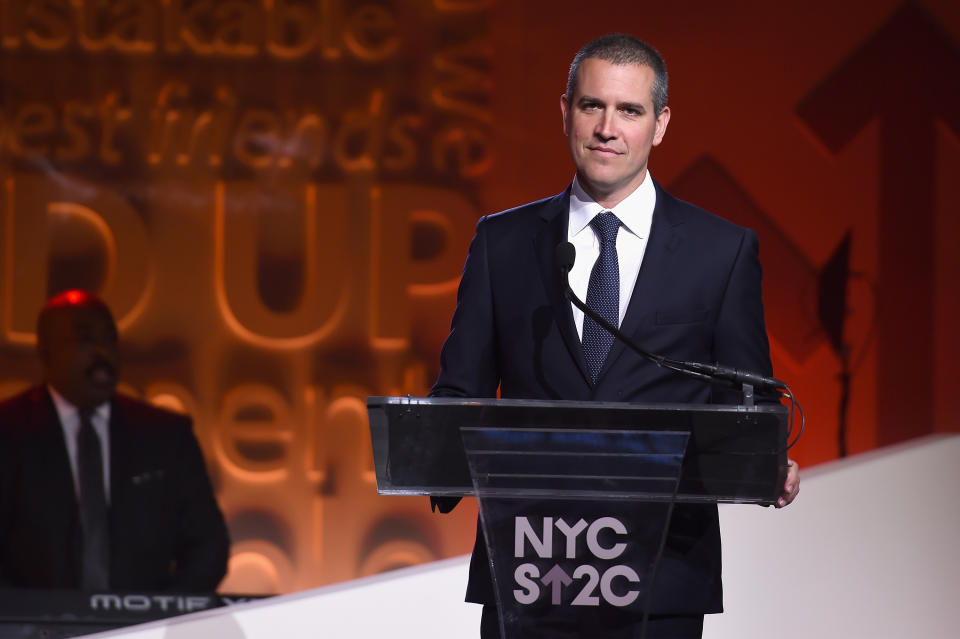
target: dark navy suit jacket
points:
(697, 297)
(166, 530)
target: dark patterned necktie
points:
(603, 294)
(94, 518)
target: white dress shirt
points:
(636, 217)
(70, 422)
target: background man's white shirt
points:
(70, 422)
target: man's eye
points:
(631, 112)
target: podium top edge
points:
(378, 401)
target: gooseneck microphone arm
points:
(713, 373)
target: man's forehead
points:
(597, 75)
(79, 315)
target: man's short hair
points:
(74, 298)
(621, 48)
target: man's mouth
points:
(604, 150)
(102, 374)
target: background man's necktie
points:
(94, 518)
(603, 293)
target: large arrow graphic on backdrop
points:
(905, 77)
(790, 280)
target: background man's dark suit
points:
(697, 297)
(166, 530)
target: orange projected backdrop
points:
(276, 197)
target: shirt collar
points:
(68, 412)
(635, 211)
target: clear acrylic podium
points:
(576, 498)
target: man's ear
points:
(564, 112)
(662, 121)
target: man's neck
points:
(609, 199)
(63, 400)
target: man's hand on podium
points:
(790, 487)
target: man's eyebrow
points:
(589, 99)
(636, 106)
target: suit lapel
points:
(120, 446)
(51, 438)
(554, 231)
(119, 456)
(665, 237)
(55, 481)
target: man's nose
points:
(105, 350)
(606, 126)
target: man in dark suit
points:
(678, 280)
(100, 491)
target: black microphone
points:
(565, 255)
(736, 375)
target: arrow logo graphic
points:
(556, 579)
(904, 77)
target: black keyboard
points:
(52, 614)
